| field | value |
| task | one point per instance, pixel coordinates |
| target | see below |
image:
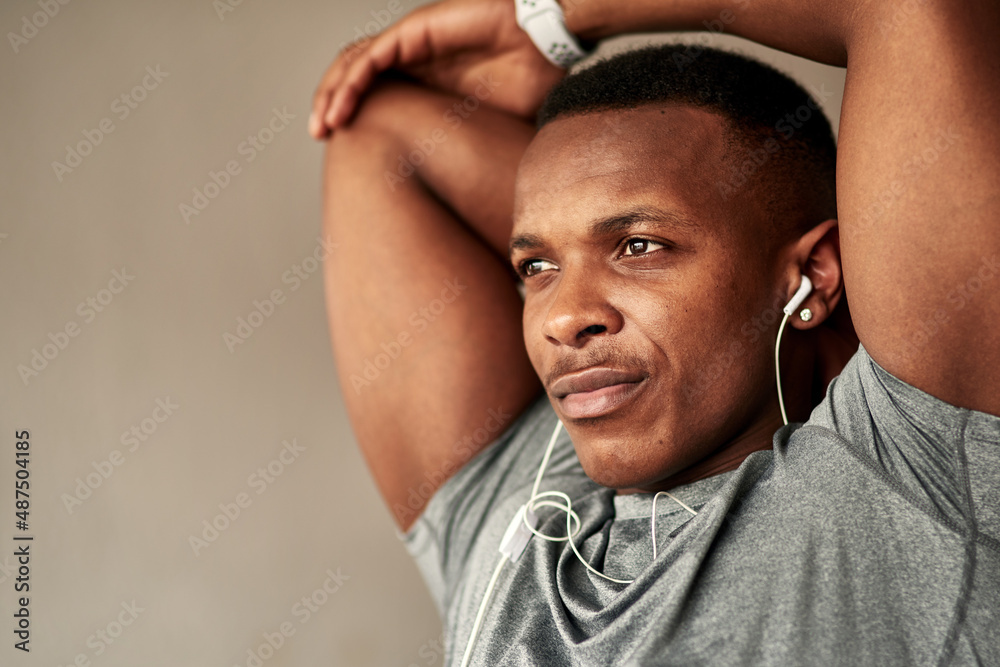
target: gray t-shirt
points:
(870, 535)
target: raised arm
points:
(919, 150)
(918, 170)
(423, 312)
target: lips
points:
(594, 392)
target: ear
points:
(817, 255)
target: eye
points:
(533, 267)
(641, 246)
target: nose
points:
(579, 311)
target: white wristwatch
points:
(545, 23)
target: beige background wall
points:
(160, 337)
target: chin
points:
(621, 461)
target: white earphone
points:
(805, 288)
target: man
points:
(655, 263)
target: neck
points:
(759, 436)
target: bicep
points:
(917, 176)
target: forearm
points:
(817, 29)
(463, 152)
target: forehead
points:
(590, 165)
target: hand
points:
(448, 45)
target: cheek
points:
(679, 322)
(728, 374)
(534, 342)
(712, 362)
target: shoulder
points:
(884, 448)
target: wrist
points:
(599, 19)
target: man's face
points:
(644, 288)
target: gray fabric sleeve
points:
(943, 458)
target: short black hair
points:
(781, 139)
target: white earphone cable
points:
(534, 502)
(652, 515)
(777, 368)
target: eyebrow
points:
(616, 224)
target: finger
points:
(346, 97)
(404, 46)
(359, 76)
(328, 85)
